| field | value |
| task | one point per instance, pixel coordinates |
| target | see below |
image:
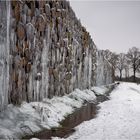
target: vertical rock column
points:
(50, 52)
(4, 52)
(30, 39)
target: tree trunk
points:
(134, 80)
(120, 75)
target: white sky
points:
(113, 25)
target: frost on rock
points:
(50, 52)
(4, 56)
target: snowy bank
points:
(118, 118)
(16, 122)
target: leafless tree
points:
(133, 56)
(126, 68)
(121, 63)
(111, 57)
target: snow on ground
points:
(118, 118)
(29, 118)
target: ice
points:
(4, 54)
(34, 67)
(99, 90)
(34, 139)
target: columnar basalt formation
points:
(44, 51)
(4, 54)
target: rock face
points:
(44, 51)
(4, 54)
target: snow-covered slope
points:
(28, 118)
(118, 118)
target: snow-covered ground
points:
(118, 118)
(29, 118)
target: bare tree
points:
(126, 68)
(133, 56)
(121, 63)
(112, 59)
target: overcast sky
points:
(113, 25)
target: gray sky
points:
(113, 25)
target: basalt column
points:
(4, 52)
(45, 52)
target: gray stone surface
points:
(50, 52)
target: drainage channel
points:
(86, 112)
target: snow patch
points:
(118, 118)
(16, 122)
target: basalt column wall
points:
(48, 52)
(4, 54)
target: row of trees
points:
(125, 62)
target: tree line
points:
(126, 62)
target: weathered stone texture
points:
(50, 52)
